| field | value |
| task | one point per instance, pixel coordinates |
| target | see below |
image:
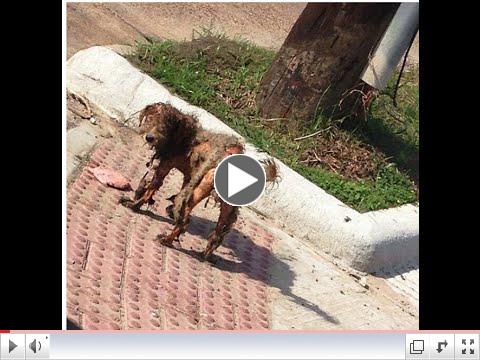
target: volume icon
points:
(35, 346)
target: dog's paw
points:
(129, 203)
(169, 211)
(210, 258)
(125, 201)
(206, 255)
(165, 240)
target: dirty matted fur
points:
(179, 142)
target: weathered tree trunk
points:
(322, 59)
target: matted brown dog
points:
(179, 142)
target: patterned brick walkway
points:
(119, 277)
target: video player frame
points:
(329, 241)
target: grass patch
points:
(395, 129)
(222, 76)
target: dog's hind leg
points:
(184, 205)
(228, 216)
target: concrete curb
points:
(367, 242)
(80, 141)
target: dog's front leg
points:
(183, 206)
(142, 185)
(180, 212)
(147, 188)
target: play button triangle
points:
(238, 180)
(11, 346)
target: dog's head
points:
(166, 129)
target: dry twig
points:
(313, 134)
(274, 119)
(84, 102)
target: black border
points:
(449, 264)
(31, 249)
(30, 255)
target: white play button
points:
(238, 180)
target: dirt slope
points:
(89, 24)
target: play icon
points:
(11, 346)
(239, 180)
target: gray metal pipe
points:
(395, 41)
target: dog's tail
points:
(272, 171)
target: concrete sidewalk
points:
(119, 277)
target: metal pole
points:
(395, 41)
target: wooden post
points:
(322, 59)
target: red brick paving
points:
(119, 277)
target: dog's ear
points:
(190, 125)
(174, 124)
(183, 128)
(141, 117)
(148, 111)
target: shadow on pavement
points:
(284, 283)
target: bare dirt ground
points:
(89, 24)
(265, 24)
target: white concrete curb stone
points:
(80, 141)
(367, 242)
